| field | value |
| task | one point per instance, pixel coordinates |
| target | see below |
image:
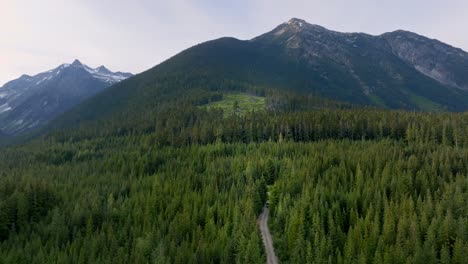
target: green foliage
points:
(353, 204)
(425, 104)
(331, 201)
(139, 204)
(23, 203)
(238, 104)
(184, 184)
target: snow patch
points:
(4, 108)
(280, 32)
(44, 79)
(105, 76)
(34, 124)
(3, 95)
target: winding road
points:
(266, 236)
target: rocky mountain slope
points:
(396, 70)
(32, 101)
(439, 61)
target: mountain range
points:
(30, 102)
(396, 70)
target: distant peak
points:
(402, 32)
(25, 76)
(298, 24)
(77, 63)
(296, 21)
(103, 69)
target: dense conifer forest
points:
(185, 184)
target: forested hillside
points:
(3, 138)
(307, 60)
(346, 186)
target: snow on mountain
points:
(104, 74)
(101, 72)
(32, 101)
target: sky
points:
(135, 35)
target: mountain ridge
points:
(398, 41)
(30, 102)
(355, 68)
(360, 54)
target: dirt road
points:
(266, 236)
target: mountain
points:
(437, 60)
(30, 102)
(297, 57)
(395, 70)
(3, 137)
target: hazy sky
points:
(134, 35)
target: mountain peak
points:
(404, 33)
(297, 21)
(300, 24)
(77, 63)
(292, 31)
(25, 76)
(296, 24)
(32, 101)
(103, 69)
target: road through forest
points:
(266, 237)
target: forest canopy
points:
(346, 185)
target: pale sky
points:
(135, 35)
